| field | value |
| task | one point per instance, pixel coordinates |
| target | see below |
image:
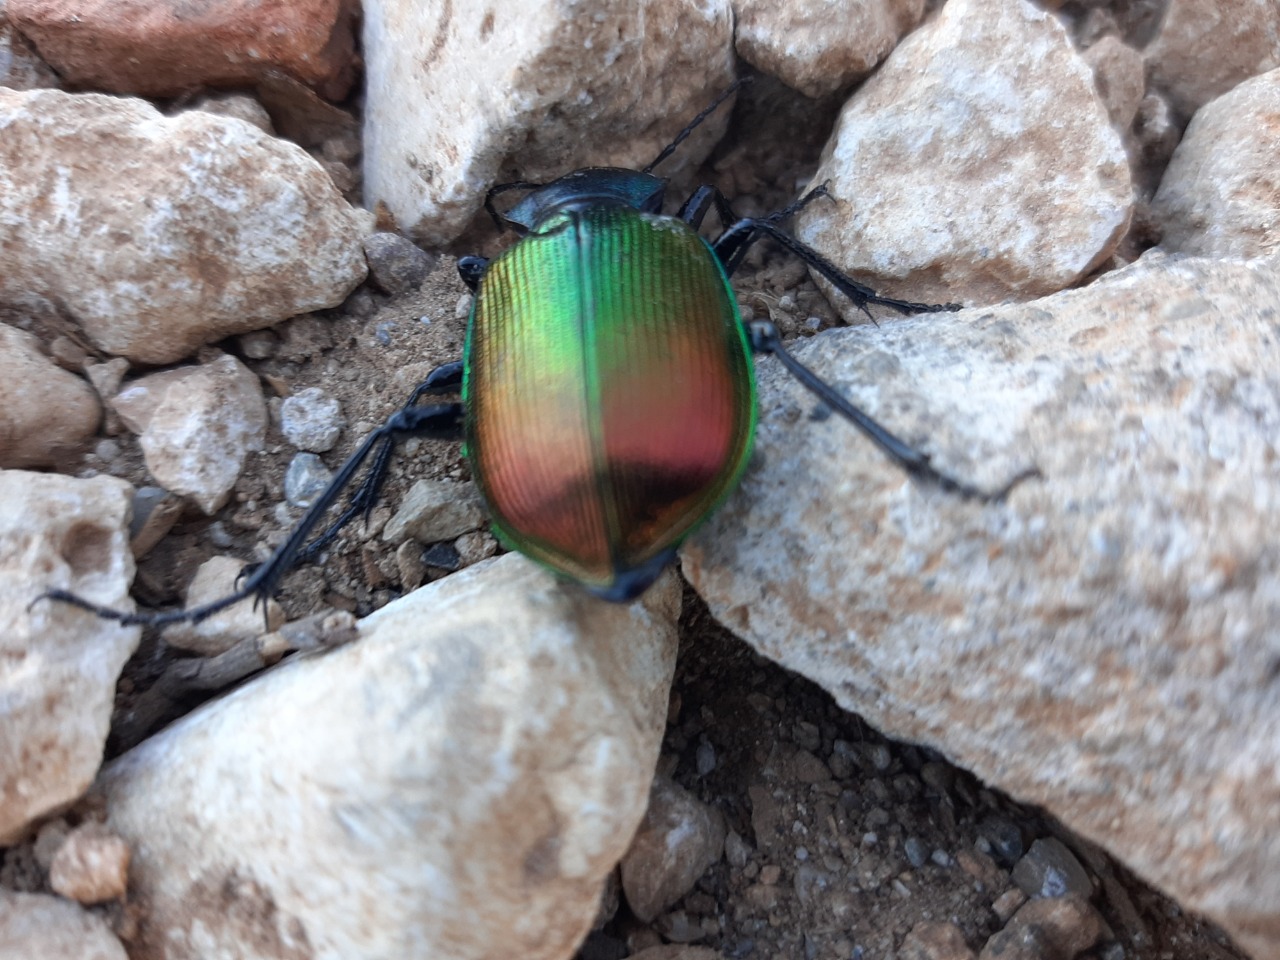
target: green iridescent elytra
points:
(608, 389)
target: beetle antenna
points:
(684, 134)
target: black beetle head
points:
(588, 187)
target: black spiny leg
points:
(765, 339)
(732, 246)
(446, 378)
(438, 421)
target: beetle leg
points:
(440, 421)
(732, 246)
(693, 210)
(446, 378)
(765, 339)
(471, 269)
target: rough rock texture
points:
(197, 426)
(819, 46)
(476, 763)
(34, 925)
(1120, 78)
(462, 96)
(161, 48)
(46, 413)
(935, 941)
(1205, 47)
(91, 865)
(1220, 195)
(435, 510)
(20, 66)
(976, 165)
(1056, 927)
(58, 665)
(1104, 642)
(157, 234)
(679, 838)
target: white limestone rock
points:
(457, 783)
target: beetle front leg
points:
(732, 245)
(446, 378)
(765, 339)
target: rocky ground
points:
(781, 823)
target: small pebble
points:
(807, 736)
(880, 757)
(311, 420)
(1007, 904)
(736, 850)
(305, 479)
(1051, 870)
(475, 546)
(91, 866)
(705, 758)
(916, 853)
(396, 264)
(442, 556)
(219, 536)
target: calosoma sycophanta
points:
(607, 389)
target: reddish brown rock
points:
(158, 48)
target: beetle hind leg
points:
(765, 339)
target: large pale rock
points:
(197, 426)
(1104, 643)
(34, 926)
(158, 234)
(461, 96)
(455, 784)
(46, 413)
(161, 48)
(1220, 195)
(58, 665)
(819, 46)
(1205, 47)
(976, 165)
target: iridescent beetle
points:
(607, 391)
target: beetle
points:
(607, 392)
